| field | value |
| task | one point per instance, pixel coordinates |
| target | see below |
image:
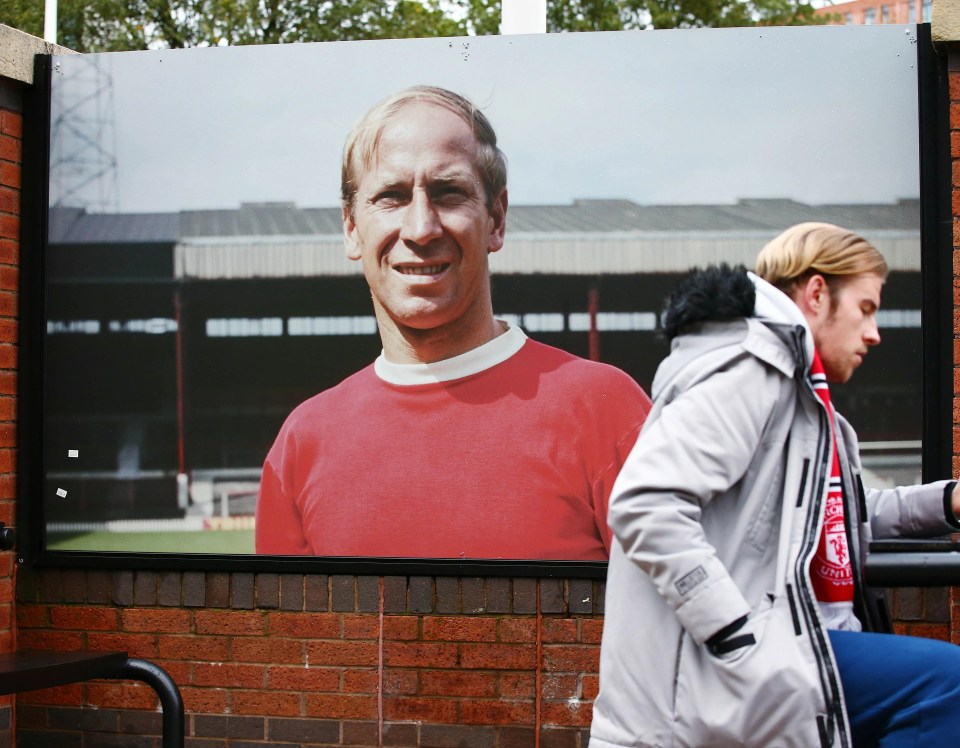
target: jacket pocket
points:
(765, 695)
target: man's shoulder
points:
(584, 374)
(341, 396)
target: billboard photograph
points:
(223, 373)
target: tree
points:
(611, 15)
(108, 25)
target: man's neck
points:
(405, 345)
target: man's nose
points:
(872, 334)
(421, 222)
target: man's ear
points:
(350, 240)
(813, 296)
(498, 228)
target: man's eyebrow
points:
(454, 178)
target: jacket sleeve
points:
(902, 512)
(908, 511)
(698, 445)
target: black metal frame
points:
(936, 257)
(937, 310)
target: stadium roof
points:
(585, 237)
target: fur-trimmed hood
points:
(717, 293)
(721, 293)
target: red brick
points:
(460, 629)
(84, 618)
(8, 386)
(568, 713)
(419, 654)
(402, 708)
(560, 686)
(63, 695)
(271, 703)
(9, 281)
(9, 251)
(342, 653)
(405, 628)
(457, 683)
(8, 354)
(360, 681)
(9, 175)
(204, 700)
(590, 687)
(591, 630)
(8, 483)
(360, 627)
(519, 630)
(166, 621)
(498, 656)
(517, 685)
(573, 659)
(230, 622)
(9, 229)
(490, 712)
(9, 201)
(330, 706)
(400, 682)
(8, 327)
(10, 148)
(955, 144)
(304, 625)
(11, 123)
(303, 679)
(279, 651)
(954, 83)
(37, 639)
(136, 645)
(32, 616)
(125, 695)
(184, 647)
(228, 675)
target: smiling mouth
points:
(422, 269)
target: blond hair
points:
(818, 249)
(361, 144)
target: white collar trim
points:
(466, 364)
(774, 305)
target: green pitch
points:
(215, 541)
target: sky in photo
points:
(816, 114)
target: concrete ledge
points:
(17, 51)
(946, 20)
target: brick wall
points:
(10, 160)
(292, 660)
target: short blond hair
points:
(362, 141)
(818, 249)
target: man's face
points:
(845, 329)
(420, 224)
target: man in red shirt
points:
(464, 439)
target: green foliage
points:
(108, 25)
(615, 15)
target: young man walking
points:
(735, 608)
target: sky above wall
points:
(816, 114)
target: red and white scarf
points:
(831, 572)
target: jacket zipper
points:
(828, 677)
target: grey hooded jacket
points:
(717, 513)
